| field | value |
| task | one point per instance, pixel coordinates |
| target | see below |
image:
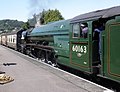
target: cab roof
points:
(105, 13)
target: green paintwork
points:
(57, 34)
(111, 58)
(54, 28)
(79, 53)
(80, 49)
(62, 48)
(47, 32)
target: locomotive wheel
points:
(27, 52)
(42, 56)
(55, 64)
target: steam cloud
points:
(37, 6)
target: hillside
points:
(8, 25)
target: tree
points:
(51, 15)
(9, 25)
(42, 20)
(46, 16)
(26, 25)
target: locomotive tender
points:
(63, 42)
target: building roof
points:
(105, 13)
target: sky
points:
(22, 10)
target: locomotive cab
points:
(87, 53)
(84, 48)
(98, 52)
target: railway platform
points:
(30, 75)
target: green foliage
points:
(42, 20)
(26, 25)
(8, 25)
(46, 16)
(52, 15)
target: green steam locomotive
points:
(89, 43)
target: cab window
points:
(84, 30)
(76, 30)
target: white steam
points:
(37, 6)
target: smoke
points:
(36, 6)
